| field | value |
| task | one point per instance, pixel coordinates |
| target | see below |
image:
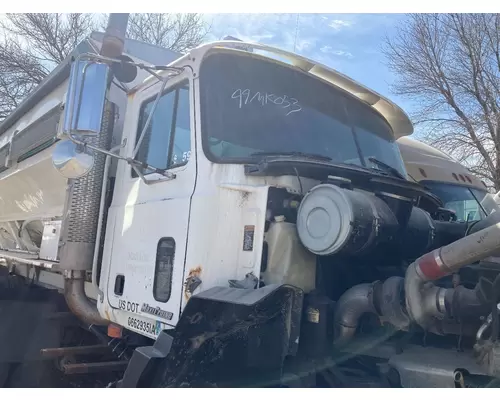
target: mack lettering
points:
(156, 311)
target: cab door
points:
(148, 223)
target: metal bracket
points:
(131, 161)
(249, 282)
(192, 284)
(485, 326)
(36, 274)
(144, 361)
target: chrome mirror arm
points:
(136, 165)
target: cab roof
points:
(393, 114)
(425, 163)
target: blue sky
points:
(350, 43)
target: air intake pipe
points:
(424, 300)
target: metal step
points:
(27, 258)
(91, 368)
(72, 351)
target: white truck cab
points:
(226, 109)
(188, 207)
(229, 216)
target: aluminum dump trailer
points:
(32, 192)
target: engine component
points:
(487, 347)
(386, 301)
(422, 234)
(400, 206)
(355, 302)
(466, 304)
(383, 299)
(425, 301)
(431, 367)
(419, 234)
(288, 261)
(331, 220)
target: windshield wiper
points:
(387, 168)
(312, 156)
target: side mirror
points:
(71, 160)
(85, 99)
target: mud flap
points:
(229, 337)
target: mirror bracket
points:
(75, 94)
(166, 175)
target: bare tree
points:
(449, 64)
(31, 46)
(177, 32)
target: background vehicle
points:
(460, 191)
(244, 220)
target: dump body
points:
(33, 195)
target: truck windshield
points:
(251, 107)
(463, 200)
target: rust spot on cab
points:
(195, 271)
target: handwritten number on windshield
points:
(244, 97)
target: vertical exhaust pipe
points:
(114, 37)
(85, 196)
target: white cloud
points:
(341, 53)
(338, 24)
(306, 34)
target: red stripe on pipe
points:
(430, 268)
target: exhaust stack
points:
(83, 207)
(114, 37)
